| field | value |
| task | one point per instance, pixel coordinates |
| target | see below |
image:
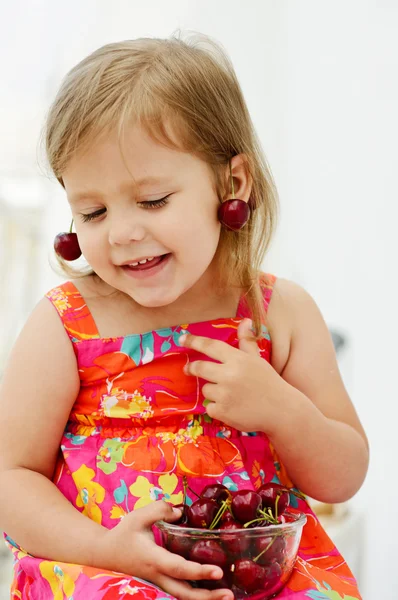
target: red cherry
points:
(248, 575)
(269, 492)
(208, 552)
(66, 245)
(273, 574)
(227, 518)
(234, 214)
(202, 512)
(234, 544)
(245, 505)
(179, 545)
(216, 491)
(215, 584)
(270, 548)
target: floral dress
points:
(137, 427)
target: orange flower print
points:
(187, 452)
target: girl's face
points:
(151, 202)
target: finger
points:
(180, 568)
(204, 369)
(157, 511)
(184, 591)
(246, 337)
(212, 348)
(212, 410)
(210, 392)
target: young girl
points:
(156, 365)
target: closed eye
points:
(93, 215)
(148, 204)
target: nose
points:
(125, 230)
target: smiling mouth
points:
(145, 264)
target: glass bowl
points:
(257, 562)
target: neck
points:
(203, 301)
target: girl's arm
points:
(38, 390)
(319, 438)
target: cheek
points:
(90, 241)
(198, 239)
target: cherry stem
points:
(265, 550)
(232, 180)
(185, 485)
(219, 514)
(276, 506)
(70, 228)
(193, 491)
(264, 517)
(298, 494)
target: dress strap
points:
(267, 282)
(73, 311)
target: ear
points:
(241, 178)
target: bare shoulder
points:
(281, 317)
(296, 308)
(293, 316)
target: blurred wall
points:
(320, 80)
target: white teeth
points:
(141, 262)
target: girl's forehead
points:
(135, 160)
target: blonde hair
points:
(191, 84)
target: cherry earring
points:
(233, 214)
(66, 245)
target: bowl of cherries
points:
(252, 535)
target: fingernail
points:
(182, 338)
(177, 511)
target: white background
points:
(320, 79)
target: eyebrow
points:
(96, 194)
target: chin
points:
(155, 300)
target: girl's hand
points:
(130, 548)
(244, 390)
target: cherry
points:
(273, 574)
(202, 512)
(227, 517)
(234, 214)
(66, 245)
(270, 548)
(208, 552)
(179, 545)
(214, 584)
(248, 575)
(234, 544)
(269, 493)
(245, 505)
(217, 492)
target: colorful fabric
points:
(137, 427)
